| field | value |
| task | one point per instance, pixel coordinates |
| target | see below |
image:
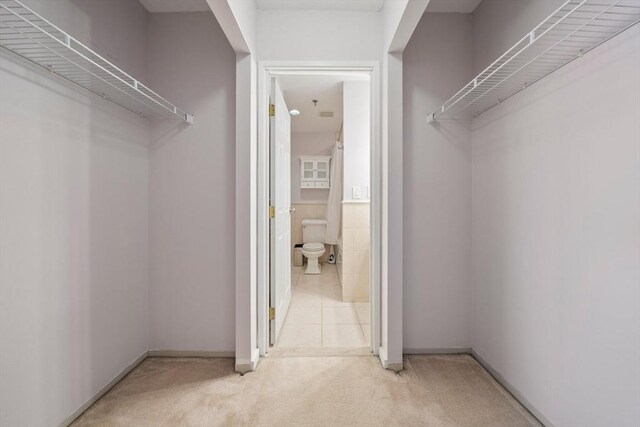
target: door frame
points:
(266, 70)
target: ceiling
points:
(176, 5)
(437, 6)
(452, 6)
(300, 90)
(359, 5)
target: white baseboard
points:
(511, 389)
(444, 350)
(394, 366)
(191, 353)
(386, 364)
(71, 418)
(244, 366)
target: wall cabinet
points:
(314, 171)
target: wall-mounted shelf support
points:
(572, 30)
(29, 35)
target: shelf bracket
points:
(431, 117)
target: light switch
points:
(356, 192)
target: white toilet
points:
(313, 239)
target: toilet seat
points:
(313, 247)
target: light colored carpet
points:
(308, 391)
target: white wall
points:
(245, 13)
(237, 19)
(308, 144)
(556, 236)
(117, 29)
(437, 188)
(73, 223)
(357, 139)
(318, 35)
(498, 25)
(392, 14)
(192, 169)
(353, 37)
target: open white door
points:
(280, 209)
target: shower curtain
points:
(335, 197)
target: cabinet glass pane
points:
(308, 166)
(308, 174)
(322, 174)
(322, 166)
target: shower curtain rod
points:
(339, 134)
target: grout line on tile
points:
(321, 316)
(323, 298)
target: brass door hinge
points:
(272, 110)
(272, 212)
(272, 313)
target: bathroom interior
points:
(330, 220)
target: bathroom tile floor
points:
(319, 318)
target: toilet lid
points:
(313, 247)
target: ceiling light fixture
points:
(294, 112)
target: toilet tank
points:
(313, 230)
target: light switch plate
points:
(356, 192)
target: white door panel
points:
(280, 196)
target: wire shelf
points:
(573, 29)
(29, 35)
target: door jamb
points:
(267, 69)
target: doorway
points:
(336, 306)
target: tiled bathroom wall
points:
(306, 211)
(356, 244)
